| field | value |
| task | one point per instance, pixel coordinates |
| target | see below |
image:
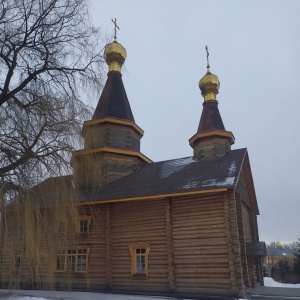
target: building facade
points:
(181, 226)
(279, 254)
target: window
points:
(61, 228)
(75, 260)
(139, 260)
(84, 224)
(60, 262)
(16, 265)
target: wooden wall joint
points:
(108, 274)
(170, 251)
(231, 258)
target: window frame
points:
(134, 257)
(61, 227)
(87, 219)
(72, 252)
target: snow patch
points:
(21, 295)
(23, 298)
(172, 166)
(215, 182)
(190, 185)
(232, 168)
(79, 296)
(226, 182)
(268, 281)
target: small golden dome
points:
(115, 55)
(209, 86)
(278, 245)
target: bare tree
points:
(49, 60)
(271, 245)
(292, 245)
(297, 258)
(50, 63)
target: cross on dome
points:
(207, 55)
(116, 27)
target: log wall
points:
(133, 222)
(194, 246)
(204, 243)
(248, 232)
(111, 135)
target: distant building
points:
(186, 225)
(277, 254)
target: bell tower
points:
(211, 140)
(111, 137)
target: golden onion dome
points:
(115, 55)
(209, 85)
(278, 245)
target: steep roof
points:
(210, 118)
(181, 175)
(113, 101)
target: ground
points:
(54, 295)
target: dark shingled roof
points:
(113, 101)
(210, 118)
(172, 176)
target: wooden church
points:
(181, 226)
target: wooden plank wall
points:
(132, 222)
(235, 251)
(247, 222)
(194, 246)
(96, 240)
(258, 271)
(200, 245)
(240, 222)
(12, 243)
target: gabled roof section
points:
(113, 101)
(184, 175)
(210, 118)
(55, 189)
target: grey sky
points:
(254, 49)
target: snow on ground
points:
(58, 295)
(271, 282)
(52, 295)
(21, 298)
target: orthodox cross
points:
(207, 54)
(116, 26)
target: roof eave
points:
(157, 196)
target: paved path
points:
(60, 295)
(257, 293)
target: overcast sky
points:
(255, 51)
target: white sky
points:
(255, 51)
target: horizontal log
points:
(209, 289)
(183, 251)
(203, 282)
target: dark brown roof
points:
(210, 118)
(173, 176)
(113, 101)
